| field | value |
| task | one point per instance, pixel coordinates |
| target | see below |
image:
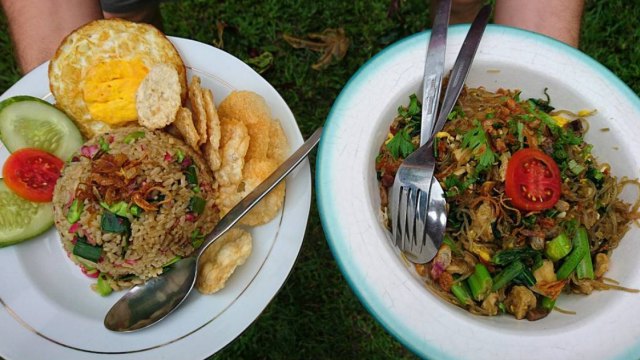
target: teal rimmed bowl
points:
(605, 323)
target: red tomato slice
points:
(532, 180)
(32, 174)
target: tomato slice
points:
(532, 180)
(32, 174)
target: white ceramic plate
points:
(606, 323)
(48, 310)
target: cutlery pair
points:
(417, 203)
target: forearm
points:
(559, 19)
(38, 26)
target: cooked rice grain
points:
(156, 237)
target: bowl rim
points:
(386, 318)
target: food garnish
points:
(531, 211)
(532, 180)
(21, 219)
(29, 122)
(32, 174)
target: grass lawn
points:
(316, 315)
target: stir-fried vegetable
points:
(520, 183)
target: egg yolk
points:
(110, 90)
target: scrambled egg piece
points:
(110, 90)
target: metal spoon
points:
(146, 304)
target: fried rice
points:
(132, 202)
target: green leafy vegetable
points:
(196, 205)
(476, 139)
(86, 250)
(192, 175)
(112, 223)
(400, 145)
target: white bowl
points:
(605, 324)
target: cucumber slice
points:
(21, 219)
(26, 121)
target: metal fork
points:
(417, 203)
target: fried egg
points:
(98, 68)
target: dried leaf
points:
(262, 62)
(220, 26)
(331, 43)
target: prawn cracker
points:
(212, 144)
(278, 143)
(234, 139)
(158, 97)
(199, 111)
(255, 171)
(186, 128)
(221, 259)
(252, 110)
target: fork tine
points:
(411, 218)
(394, 200)
(402, 217)
(421, 219)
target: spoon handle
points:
(249, 201)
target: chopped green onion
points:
(196, 205)
(120, 208)
(558, 248)
(197, 238)
(520, 129)
(507, 275)
(585, 267)
(172, 261)
(580, 249)
(102, 287)
(596, 176)
(87, 251)
(104, 145)
(129, 139)
(88, 265)
(480, 282)
(574, 167)
(548, 303)
(502, 307)
(75, 210)
(452, 245)
(191, 175)
(489, 116)
(135, 210)
(179, 155)
(461, 292)
(114, 224)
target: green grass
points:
(316, 315)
